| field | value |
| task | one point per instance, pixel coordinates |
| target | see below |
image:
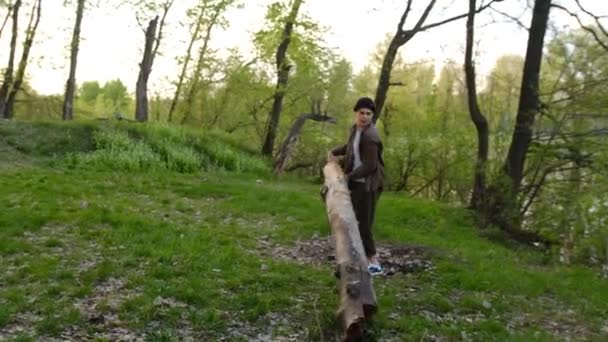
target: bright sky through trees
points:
(112, 41)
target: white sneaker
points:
(374, 269)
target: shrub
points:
(115, 150)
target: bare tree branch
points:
(8, 15)
(405, 14)
(461, 16)
(535, 186)
(423, 17)
(166, 6)
(512, 18)
(401, 37)
(580, 89)
(584, 27)
(595, 17)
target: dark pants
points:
(364, 204)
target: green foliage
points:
(500, 98)
(115, 96)
(566, 183)
(340, 97)
(229, 158)
(243, 97)
(89, 91)
(267, 40)
(164, 148)
(198, 105)
(575, 72)
(179, 145)
(115, 146)
(112, 140)
(178, 157)
(363, 82)
(115, 150)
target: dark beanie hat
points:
(365, 102)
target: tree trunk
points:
(385, 75)
(481, 124)
(153, 40)
(68, 102)
(145, 68)
(7, 83)
(529, 102)
(282, 77)
(503, 210)
(292, 138)
(182, 75)
(27, 46)
(407, 167)
(399, 39)
(357, 297)
(196, 77)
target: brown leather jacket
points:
(370, 150)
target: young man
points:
(364, 169)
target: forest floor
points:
(216, 255)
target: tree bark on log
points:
(357, 297)
(292, 138)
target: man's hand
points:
(333, 158)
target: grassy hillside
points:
(129, 232)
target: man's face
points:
(363, 116)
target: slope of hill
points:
(140, 232)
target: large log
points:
(357, 297)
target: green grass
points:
(164, 255)
(123, 146)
